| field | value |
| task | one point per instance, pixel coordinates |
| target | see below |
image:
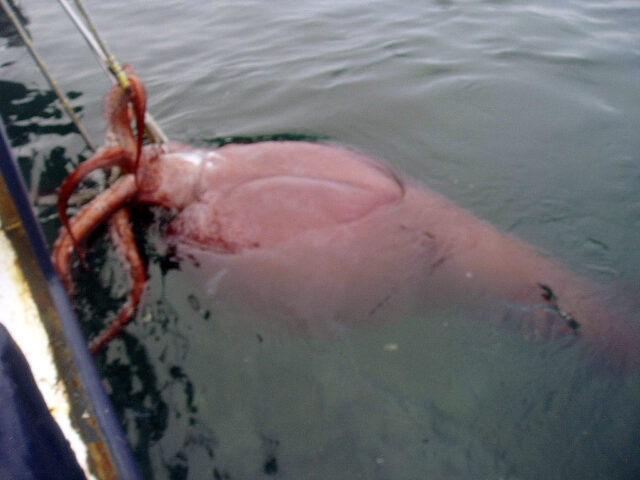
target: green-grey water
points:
(525, 113)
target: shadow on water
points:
(149, 395)
(29, 112)
(8, 30)
(301, 137)
(28, 115)
(133, 389)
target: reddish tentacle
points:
(115, 107)
(125, 150)
(89, 217)
(138, 96)
(122, 236)
(104, 158)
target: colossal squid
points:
(318, 237)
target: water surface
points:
(525, 113)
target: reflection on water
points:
(8, 30)
(25, 112)
(33, 119)
(525, 112)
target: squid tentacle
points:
(123, 149)
(122, 237)
(89, 217)
(106, 157)
(117, 114)
(138, 97)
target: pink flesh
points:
(319, 238)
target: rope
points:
(52, 83)
(107, 60)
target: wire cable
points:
(107, 60)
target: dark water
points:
(525, 113)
